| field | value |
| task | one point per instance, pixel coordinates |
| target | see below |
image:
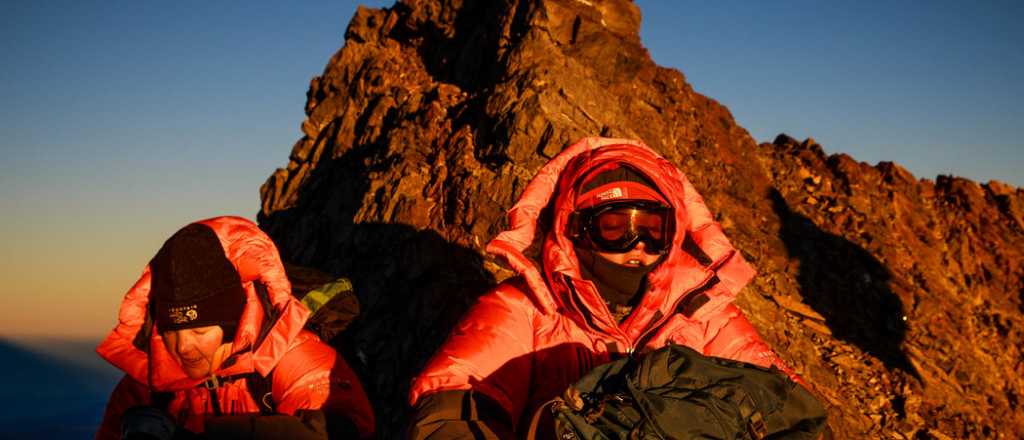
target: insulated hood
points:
(554, 185)
(263, 336)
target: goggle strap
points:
(572, 226)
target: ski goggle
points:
(619, 226)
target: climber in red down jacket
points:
(212, 344)
(631, 259)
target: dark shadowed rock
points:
(899, 300)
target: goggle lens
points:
(620, 227)
(612, 225)
(616, 225)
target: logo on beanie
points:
(183, 314)
(614, 193)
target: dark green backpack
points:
(677, 393)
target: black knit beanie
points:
(193, 283)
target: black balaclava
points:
(619, 285)
(194, 285)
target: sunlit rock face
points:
(915, 289)
(898, 300)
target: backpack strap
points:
(262, 388)
(262, 391)
(211, 384)
(531, 433)
(270, 314)
(756, 426)
(259, 387)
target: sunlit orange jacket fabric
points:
(307, 373)
(528, 339)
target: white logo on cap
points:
(183, 314)
(614, 193)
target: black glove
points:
(146, 423)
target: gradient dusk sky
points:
(121, 121)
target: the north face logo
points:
(614, 193)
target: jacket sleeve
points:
(313, 376)
(488, 353)
(317, 396)
(730, 335)
(126, 394)
(459, 414)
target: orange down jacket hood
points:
(136, 347)
(668, 284)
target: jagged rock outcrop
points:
(427, 124)
(920, 283)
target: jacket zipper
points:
(621, 335)
(642, 340)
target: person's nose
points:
(185, 344)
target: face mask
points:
(616, 283)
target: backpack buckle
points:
(212, 382)
(757, 427)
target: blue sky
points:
(934, 86)
(120, 121)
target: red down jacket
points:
(307, 373)
(528, 339)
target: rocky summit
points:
(898, 299)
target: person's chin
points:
(196, 374)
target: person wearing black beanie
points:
(196, 299)
(214, 344)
